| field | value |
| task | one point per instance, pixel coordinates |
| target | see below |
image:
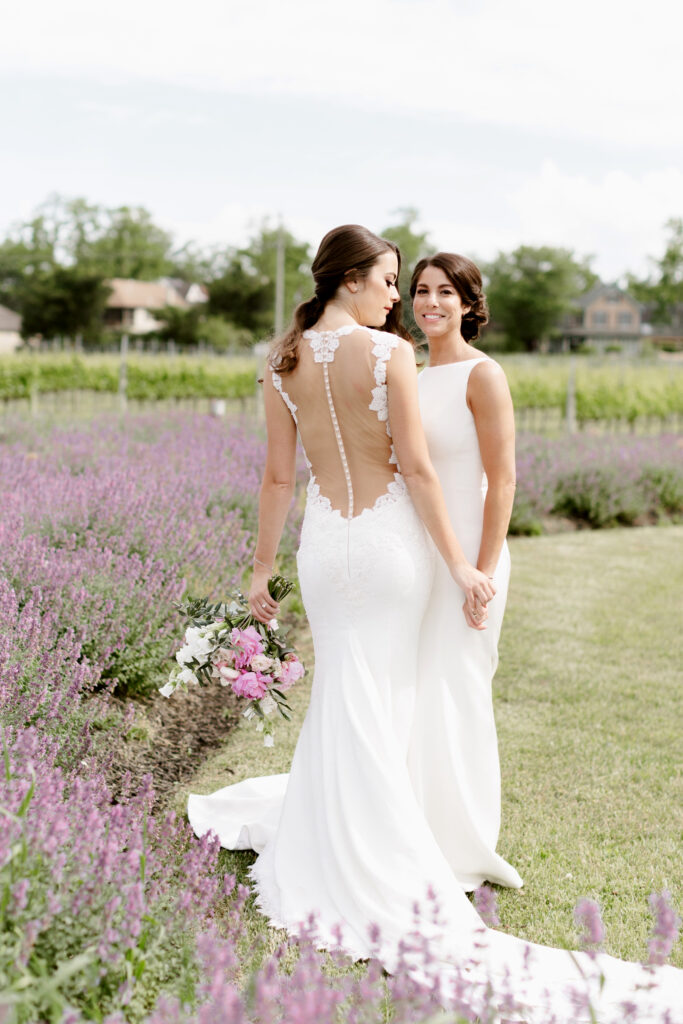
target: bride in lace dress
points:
(343, 837)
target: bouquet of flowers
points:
(224, 642)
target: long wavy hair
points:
(346, 250)
(465, 277)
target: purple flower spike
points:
(487, 905)
(666, 927)
(587, 917)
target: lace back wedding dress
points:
(343, 837)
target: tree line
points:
(54, 270)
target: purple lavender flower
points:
(666, 927)
(587, 917)
(487, 905)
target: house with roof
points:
(605, 317)
(131, 304)
(195, 294)
(10, 330)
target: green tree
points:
(192, 263)
(530, 289)
(123, 243)
(240, 295)
(663, 291)
(413, 245)
(245, 292)
(63, 302)
(27, 254)
(179, 325)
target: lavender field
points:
(112, 911)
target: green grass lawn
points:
(589, 716)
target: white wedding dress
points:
(344, 837)
(453, 756)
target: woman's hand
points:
(479, 623)
(262, 605)
(478, 590)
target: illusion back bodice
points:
(337, 395)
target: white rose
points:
(167, 689)
(198, 643)
(268, 740)
(184, 655)
(261, 663)
(228, 673)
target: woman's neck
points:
(448, 348)
(334, 316)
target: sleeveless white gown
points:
(344, 837)
(453, 756)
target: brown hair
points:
(348, 249)
(465, 277)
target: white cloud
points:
(590, 68)
(619, 216)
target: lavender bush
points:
(597, 481)
(105, 533)
(110, 911)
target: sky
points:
(503, 123)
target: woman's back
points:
(337, 394)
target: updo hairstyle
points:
(465, 277)
(347, 251)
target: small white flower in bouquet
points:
(225, 643)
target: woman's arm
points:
(423, 483)
(488, 396)
(277, 488)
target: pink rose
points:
(247, 643)
(290, 671)
(251, 685)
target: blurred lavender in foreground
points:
(666, 928)
(587, 917)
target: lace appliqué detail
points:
(277, 384)
(314, 498)
(382, 349)
(395, 490)
(326, 343)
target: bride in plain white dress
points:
(345, 838)
(469, 423)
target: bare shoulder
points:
(402, 355)
(487, 370)
(487, 377)
(487, 387)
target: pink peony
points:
(251, 685)
(247, 643)
(291, 670)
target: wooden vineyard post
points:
(123, 376)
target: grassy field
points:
(588, 707)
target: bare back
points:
(338, 397)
